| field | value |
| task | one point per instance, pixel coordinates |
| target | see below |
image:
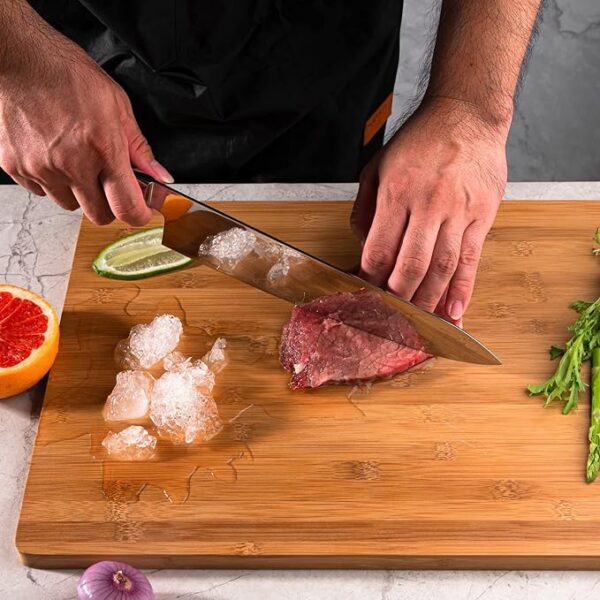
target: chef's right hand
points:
(67, 130)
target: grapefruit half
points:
(28, 339)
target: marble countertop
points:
(37, 241)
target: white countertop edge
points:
(563, 190)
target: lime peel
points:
(137, 256)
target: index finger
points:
(125, 196)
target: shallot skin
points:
(111, 580)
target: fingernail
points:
(456, 310)
(161, 173)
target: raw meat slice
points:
(365, 310)
(321, 343)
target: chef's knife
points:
(220, 241)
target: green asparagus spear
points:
(567, 383)
(593, 463)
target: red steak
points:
(338, 338)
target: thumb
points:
(141, 154)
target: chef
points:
(265, 91)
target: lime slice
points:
(137, 256)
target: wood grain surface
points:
(456, 467)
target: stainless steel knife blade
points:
(216, 239)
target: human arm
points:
(427, 200)
(66, 128)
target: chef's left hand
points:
(426, 202)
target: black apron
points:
(263, 90)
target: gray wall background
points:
(556, 128)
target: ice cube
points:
(149, 343)
(215, 358)
(203, 377)
(130, 398)
(133, 443)
(228, 247)
(180, 411)
(176, 361)
(280, 270)
(267, 249)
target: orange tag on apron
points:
(377, 120)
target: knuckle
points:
(378, 256)
(132, 215)
(60, 162)
(95, 208)
(426, 301)
(107, 150)
(441, 190)
(461, 288)
(100, 218)
(105, 220)
(462, 281)
(79, 139)
(29, 167)
(444, 263)
(413, 267)
(70, 204)
(9, 163)
(139, 143)
(470, 253)
(391, 196)
(438, 196)
(65, 204)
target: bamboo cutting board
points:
(456, 467)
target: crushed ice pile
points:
(229, 248)
(178, 404)
(149, 343)
(133, 443)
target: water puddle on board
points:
(76, 427)
(174, 468)
(248, 393)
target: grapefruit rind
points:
(23, 375)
